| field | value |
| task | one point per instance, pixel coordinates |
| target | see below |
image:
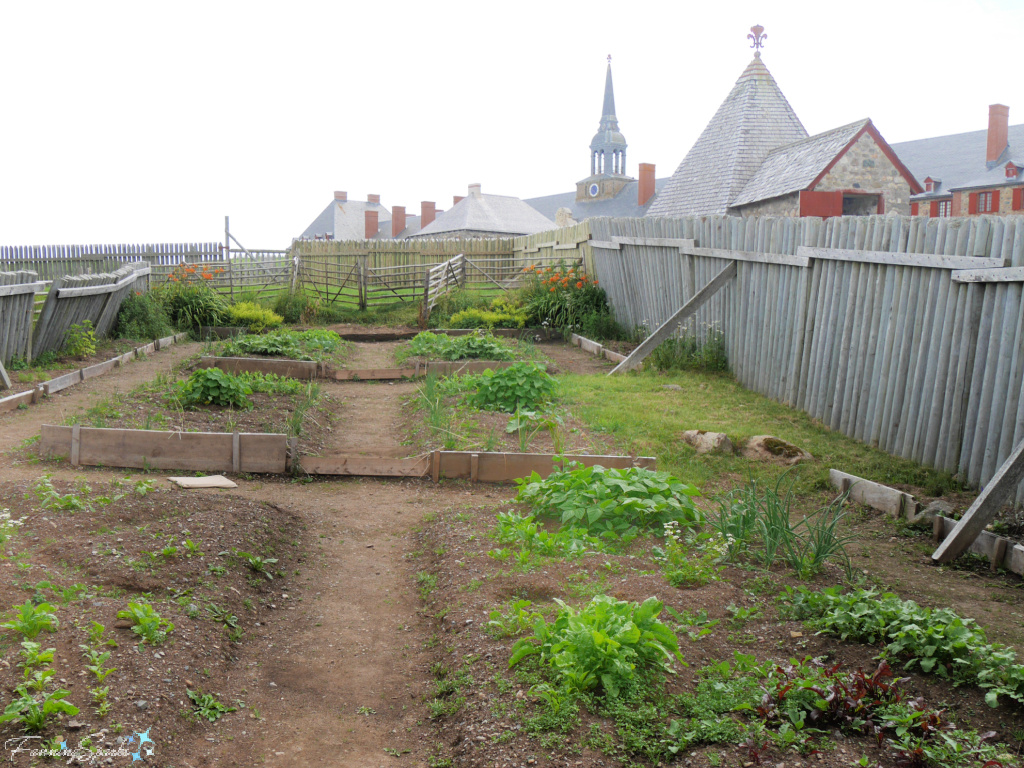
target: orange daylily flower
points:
(579, 284)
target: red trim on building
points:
(914, 209)
(995, 202)
(869, 128)
(972, 203)
(1017, 201)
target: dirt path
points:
(339, 678)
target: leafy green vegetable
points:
(601, 646)
(624, 502)
(479, 345)
(521, 386)
(147, 623)
(212, 386)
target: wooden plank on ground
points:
(506, 467)
(874, 495)
(999, 551)
(164, 342)
(62, 382)
(195, 451)
(12, 402)
(296, 369)
(999, 487)
(682, 315)
(366, 466)
(99, 369)
(371, 374)
(146, 349)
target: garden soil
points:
(337, 672)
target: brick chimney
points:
(427, 213)
(474, 190)
(645, 189)
(372, 226)
(998, 132)
(397, 220)
(456, 199)
(341, 197)
(373, 199)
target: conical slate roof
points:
(753, 120)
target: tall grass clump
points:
(689, 352)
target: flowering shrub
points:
(189, 298)
(8, 525)
(256, 318)
(562, 296)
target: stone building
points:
(956, 180)
(755, 158)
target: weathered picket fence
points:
(17, 304)
(74, 299)
(904, 332)
(53, 261)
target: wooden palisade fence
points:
(905, 333)
(17, 304)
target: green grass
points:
(648, 420)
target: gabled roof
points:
(623, 205)
(802, 164)
(958, 159)
(488, 213)
(345, 220)
(754, 119)
(795, 166)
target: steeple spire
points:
(608, 147)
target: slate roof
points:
(346, 221)
(957, 159)
(793, 167)
(623, 204)
(489, 213)
(754, 119)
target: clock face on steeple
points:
(593, 190)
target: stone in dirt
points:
(937, 507)
(708, 442)
(775, 450)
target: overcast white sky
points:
(144, 122)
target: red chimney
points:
(397, 220)
(372, 227)
(373, 199)
(341, 197)
(457, 199)
(427, 213)
(998, 131)
(645, 189)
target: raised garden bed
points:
(27, 392)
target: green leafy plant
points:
(96, 631)
(95, 661)
(515, 620)
(257, 564)
(34, 655)
(147, 623)
(569, 541)
(602, 646)
(33, 619)
(212, 386)
(314, 344)
(622, 502)
(480, 345)
(32, 712)
(142, 316)
(528, 423)
(562, 296)
(271, 383)
(222, 615)
(476, 317)
(691, 567)
(50, 498)
(705, 352)
(936, 640)
(520, 386)
(250, 314)
(80, 340)
(206, 705)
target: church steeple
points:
(608, 147)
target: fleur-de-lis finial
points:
(609, 58)
(758, 36)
